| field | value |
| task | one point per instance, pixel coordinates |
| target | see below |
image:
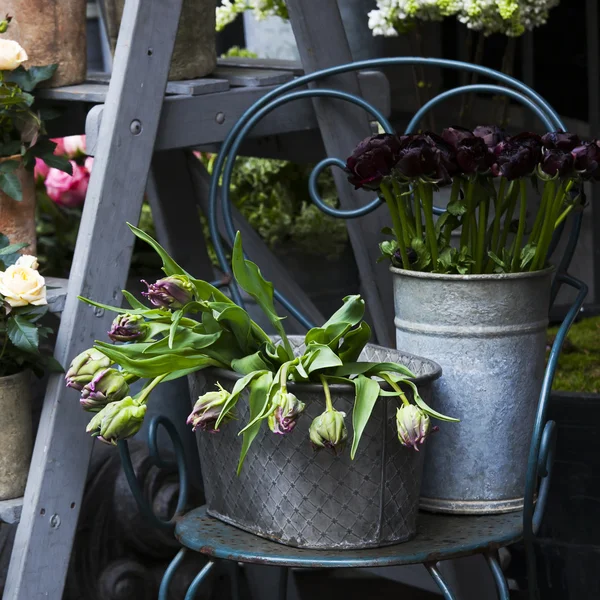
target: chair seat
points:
(439, 537)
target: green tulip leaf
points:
(354, 343)
(249, 364)
(318, 357)
(240, 385)
(258, 392)
(170, 267)
(367, 392)
(371, 369)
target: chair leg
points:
(496, 569)
(198, 580)
(283, 583)
(437, 577)
(163, 591)
(234, 570)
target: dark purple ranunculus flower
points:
(426, 155)
(490, 134)
(587, 160)
(472, 156)
(518, 156)
(172, 292)
(372, 160)
(557, 162)
(561, 140)
(455, 135)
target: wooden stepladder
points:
(125, 162)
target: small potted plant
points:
(22, 141)
(303, 388)
(23, 297)
(472, 288)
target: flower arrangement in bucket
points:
(251, 379)
(23, 304)
(472, 287)
(22, 140)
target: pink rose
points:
(41, 169)
(74, 145)
(65, 189)
(60, 146)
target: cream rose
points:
(29, 261)
(11, 55)
(21, 285)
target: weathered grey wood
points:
(279, 64)
(192, 121)
(56, 293)
(94, 92)
(174, 203)
(270, 266)
(322, 43)
(10, 510)
(197, 87)
(252, 77)
(57, 477)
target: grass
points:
(579, 363)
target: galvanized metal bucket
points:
(488, 332)
(289, 493)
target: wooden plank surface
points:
(279, 64)
(193, 121)
(62, 450)
(252, 77)
(322, 43)
(56, 294)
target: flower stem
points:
(403, 211)
(426, 191)
(464, 234)
(148, 389)
(453, 197)
(549, 189)
(521, 227)
(328, 403)
(418, 221)
(399, 231)
(396, 388)
(481, 231)
(498, 214)
(564, 215)
(510, 209)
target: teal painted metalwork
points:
(496, 569)
(137, 492)
(163, 591)
(198, 580)
(437, 577)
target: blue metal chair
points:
(439, 537)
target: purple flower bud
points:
(117, 421)
(518, 156)
(329, 431)
(372, 160)
(107, 386)
(128, 328)
(426, 156)
(587, 160)
(490, 134)
(172, 292)
(84, 366)
(455, 135)
(207, 409)
(413, 426)
(557, 162)
(286, 412)
(561, 140)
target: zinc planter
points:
(289, 493)
(488, 332)
(15, 434)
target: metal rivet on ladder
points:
(220, 118)
(98, 312)
(55, 521)
(136, 127)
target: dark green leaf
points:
(354, 343)
(28, 79)
(10, 184)
(367, 392)
(258, 393)
(318, 357)
(23, 334)
(177, 316)
(248, 364)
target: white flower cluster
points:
(509, 17)
(230, 9)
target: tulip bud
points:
(328, 430)
(128, 328)
(413, 426)
(287, 410)
(207, 409)
(84, 367)
(108, 385)
(172, 292)
(4, 24)
(117, 421)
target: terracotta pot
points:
(16, 434)
(195, 53)
(51, 31)
(17, 219)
